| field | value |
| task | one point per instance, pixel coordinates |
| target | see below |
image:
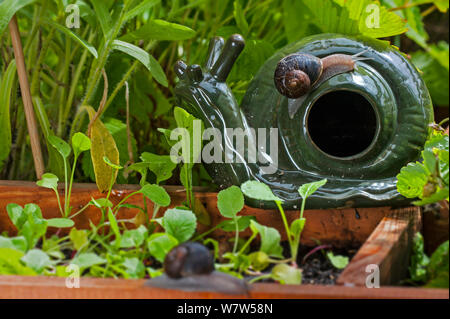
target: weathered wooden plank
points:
(339, 227)
(13, 287)
(435, 226)
(388, 248)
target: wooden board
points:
(14, 287)
(387, 248)
(348, 227)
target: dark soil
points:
(317, 269)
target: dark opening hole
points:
(342, 123)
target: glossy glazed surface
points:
(388, 82)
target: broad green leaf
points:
(145, 58)
(161, 165)
(16, 215)
(60, 222)
(259, 260)
(142, 7)
(243, 223)
(34, 227)
(60, 145)
(307, 190)
(37, 260)
(270, 239)
(86, 260)
(133, 238)
(230, 201)
(287, 275)
(239, 17)
(7, 10)
(48, 180)
(134, 268)
(338, 261)
(180, 223)
(419, 260)
(17, 243)
(411, 180)
(103, 16)
(160, 30)
(156, 194)
(80, 143)
(10, 263)
(160, 244)
(6, 91)
(297, 226)
(258, 190)
(74, 36)
(438, 267)
(103, 144)
(79, 238)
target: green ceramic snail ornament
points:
(349, 109)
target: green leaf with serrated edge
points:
(230, 201)
(286, 274)
(156, 194)
(258, 190)
(411, 180)
(438, 268)
(307, 190)
(270, 239)
(159, 244)
(145, 58)
(179, 223)
(48, 180)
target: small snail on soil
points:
(190, 267)
(298, 74)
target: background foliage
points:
(138, 42)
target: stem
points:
(236, 236)
(247, 243)
(65, 188)
(265, 276)
(155, 211)
(70, 183)
(59, 202)
(286, 226)
(123, 200)
(80, 211)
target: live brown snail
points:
(298, 74)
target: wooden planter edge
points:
(387, 249)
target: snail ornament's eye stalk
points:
(299, 74)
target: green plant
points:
(428, 180)
(429, 271)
